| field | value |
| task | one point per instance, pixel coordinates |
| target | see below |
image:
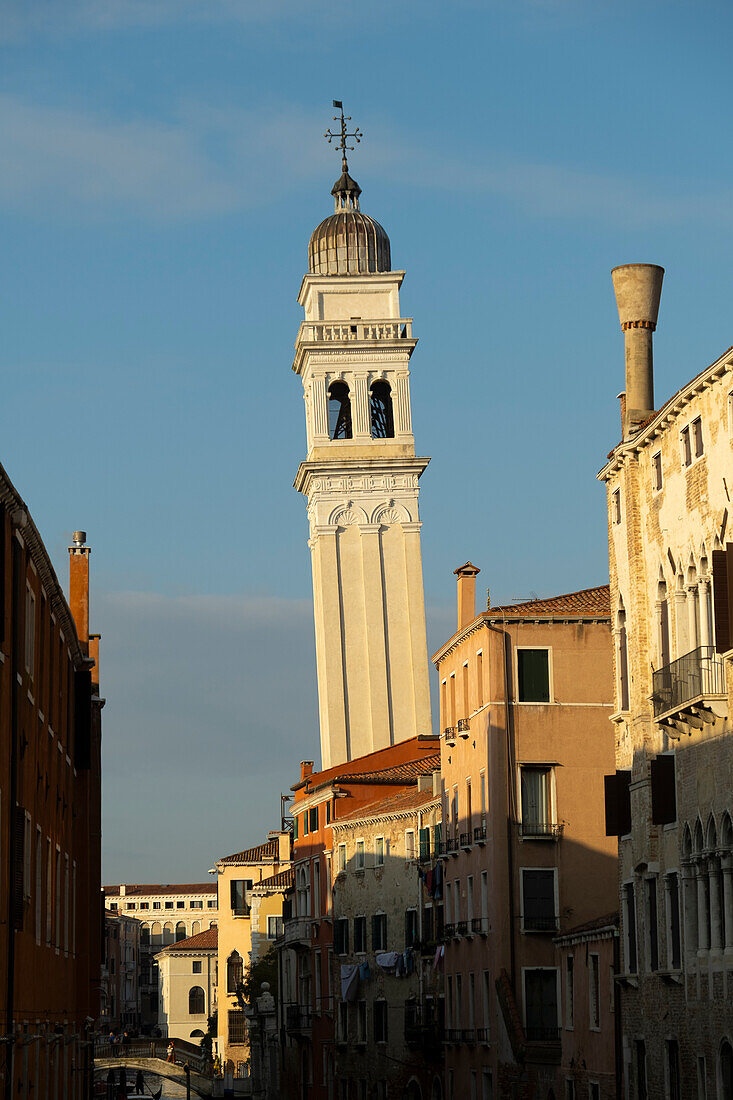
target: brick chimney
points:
(466, 593)
(638, 288)
(306, 769)
(79, 586)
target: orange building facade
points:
(309, 972)
(525, 698)
(50, 777)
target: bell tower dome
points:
(360, 479)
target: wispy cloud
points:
(203, 161)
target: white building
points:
(187, 984)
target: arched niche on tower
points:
(339, 411)
(381, 412)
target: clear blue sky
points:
(161, 169)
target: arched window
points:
(156, 935)
(196, 928)
(197, 1033)
(145, 935)
(726, 1070)
(212, 924)
(339, 411)
(167, 934)
(381, 410)
(622, 658)
(196, 1004)
(180, 931)
(235, 971)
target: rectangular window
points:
(341, 936)
(594, 991)
(328, 811)
(196, 966)
(569, 990)
(343, 1024)
(540, 1004)
(39, 885)
(487, 1085)
(66, 904)
(459, 1001)
(472, 1000)
(536, 797)
(146, 905)
(466, 697)
(651, 918)
(533, 675)
(479, 679)
(274, 928)
(182, 904)
(482, 783)
(686, 446)
(359, 935)
(702, 1084)
(379, 851)
(674, 1090)
(57, 898)
(469, 900)
(410, 844)
(657, 480)
(361, 1022)
(379, 932)
(640, 1052)
(629, 918)
(594, 1090)
(484, 901)
(49, 891)
(674, 946)
(30, 631)
(305, 823)
(27, 854)
(410, 927)
(486, 1001)
(296, 824)
(538, 901)
(359, 860)
(239, 890)
(329, 894)
(194, 905)
(209, 904)
(313, 819)
(449, 903)
(341, 864)
(317, 886)
(380, 1021)
(474, 1085)
(169, 905)
(616, 505)
(237, 1027)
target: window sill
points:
(620, 716)
(631, 981)
(675, 977)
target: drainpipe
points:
(617, 1022)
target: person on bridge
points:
(139, 1083)
(171, 1052)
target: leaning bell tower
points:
(360, 479)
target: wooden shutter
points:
(618, 803)
(723, 598)
(82, 719)
(375, 933)
(664, 801)
(18, 855)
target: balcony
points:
(298, 1018)
(448, 932)
(542, 1034)
(355, 331)
(479, 835)
(449, 733)
(452, 1035)
(480, 926)
(464, 728)
(540, 830)
(482, 1035)
(468, 1035)
(684, 688)
(465, 841)
(296, 932)
(539, 924)
(460, 928)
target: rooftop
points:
(261, 853)
(412, 799)
(588, 601)
(137, 890)
(284, 880)
(375, 767)
(202, 941)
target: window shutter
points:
(723, 598)
(375, 933)
(18, 861)
(424, 843)
(618, 803)
(82, 719)
(664, 801)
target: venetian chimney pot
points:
(306, 769)
(638, 288)
(79, 586)
(466, 593)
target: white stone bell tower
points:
(360, 479)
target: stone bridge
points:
(200, 1085)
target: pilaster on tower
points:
(360, 479)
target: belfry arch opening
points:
(339, 411)
(380, 410)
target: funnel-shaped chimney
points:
(638, 288)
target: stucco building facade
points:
(670, 799)
(187, 986)
(526, 692)
(120, 987)
(50, 830)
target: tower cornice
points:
(333, 468)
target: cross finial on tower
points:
(343, 135)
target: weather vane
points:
(343, 135)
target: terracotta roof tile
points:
(610, 920)
(411, 799)
(261, 853)
(202, 941)
(589, 601)
(285, 880)
(348, 770)
(398, 773)
(145, 890)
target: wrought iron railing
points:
(452, 1035)
(480, 925)
(482, 1034)
(479, 834)
(464, 727)
(448, 932)
(540, 924)
(461, 928)
(465, 840)
(298, 1017)
(700, 672)
(449, 733)
(468, 1035)
(542, 1034)
(540, 830)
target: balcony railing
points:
(468, 1035)
(482, 1035)
(296, 930)
(479, 834)
(298, 1017)
(480, 925)
(697, 674)
(465, 841)
(449, 733)
(542, 1034)
(464, 728)
(540, 830)
(540, 924)
(452, 1035)
(448, 932)
(324, 332)
(461, 928)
